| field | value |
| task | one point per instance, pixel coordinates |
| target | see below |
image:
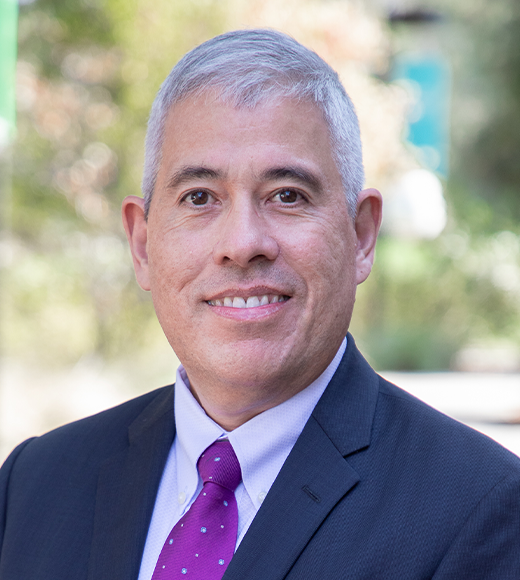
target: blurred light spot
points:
(6, 253)
(82, 174)
(506, 277)
(487, 358)
(100, 115)
(414, 206)
(507, 245)
(26, 86)
(54, 123)
(455, 245)
(413, 90)
(428, 156)
(61, 180)
(92, 206)
(74, 66)
(92, 66)
(98, 154)
(5, 132)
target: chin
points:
(249, 364)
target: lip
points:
(249, 314)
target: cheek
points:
(325, 259)
(174, 262)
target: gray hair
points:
(249, 66)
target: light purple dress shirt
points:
(262, 445)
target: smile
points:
(250, 302)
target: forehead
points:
(206, 129)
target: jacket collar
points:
(123, 510)
(346, 409)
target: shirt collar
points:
(195, 432)
(262, 444)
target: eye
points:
(288, 196)
(199, 197)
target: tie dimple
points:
(219, 464)
(202, 543)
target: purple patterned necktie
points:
(202, 542)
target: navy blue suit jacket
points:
(378, 487)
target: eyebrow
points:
(188, 173)
(294, 173)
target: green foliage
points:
(425, 300)
(484, 46)
(88, 72)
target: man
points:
(252, 236)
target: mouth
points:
(249, 302)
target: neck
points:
(231, 405)
(237, 394)
(231, 408)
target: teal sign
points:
(428, 79)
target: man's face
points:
(249, 251)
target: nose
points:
(244, 236)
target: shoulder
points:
(439, 444)
(92, 438)
(379, 426)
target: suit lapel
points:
(123, 511)
(315, 476)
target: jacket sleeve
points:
(488, 545)
(5, 475)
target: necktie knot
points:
(219, 464)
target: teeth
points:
(251, 302)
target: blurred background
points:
(437, 88)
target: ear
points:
(136, 229)
(367, 222)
